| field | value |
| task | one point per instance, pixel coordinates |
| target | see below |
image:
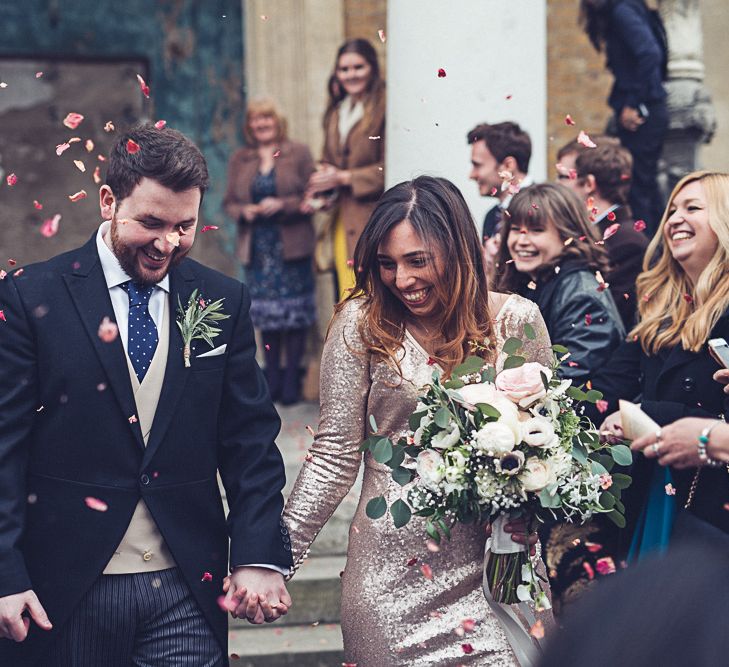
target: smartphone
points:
(719, 349)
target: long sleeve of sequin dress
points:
(401, 601)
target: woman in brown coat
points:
(266, 183)
(350, 176)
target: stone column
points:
(691, 113)
(494, 57)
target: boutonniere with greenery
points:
(197, 321)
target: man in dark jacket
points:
(601, 177)
(114, 426)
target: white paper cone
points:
(501, 542)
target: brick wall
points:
(577, 80)
(363, 18)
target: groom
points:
(113, 538)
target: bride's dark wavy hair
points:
(439, 214)
(595, 19)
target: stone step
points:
(316, 591)
(285, 646)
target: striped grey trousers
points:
(147, 619)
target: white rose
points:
(447, 438)
(425, 421)
(457, 459)
(524, 384)
(481, 392)
(495, 437)
(536, 474)
(430, 469)
(539, 432)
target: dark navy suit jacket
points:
(65, 434)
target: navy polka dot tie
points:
(143, 338)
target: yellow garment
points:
(345, 274)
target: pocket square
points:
(214, 352)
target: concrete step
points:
(316, 591)
(285, 646)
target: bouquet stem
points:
(186, 355)
(503, 573)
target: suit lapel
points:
(90, 295)
(182, 283)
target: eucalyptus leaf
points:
(432, 531)
(617, 518)
(577, 394)
(376, 507)
(454, 383)
(529, 331)
(593, 396)
(514, 362)
(511, 346)
(472, 364)
(373, 423)
(398, 456)
(488, 410)
(488, 374)
(442, 417)
(607, 500)
(382, 451)
(579, 453)
(414, 420)
(621, 455)
(621, 481)
(402, 476)
(560, 349)
(548, 500)
(400, 513)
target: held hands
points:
(327, 177)
(630, 119)
(270, 206)
(722, 376)
(15, 626)
(257, 594)
(249, 212)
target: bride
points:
(419, 302)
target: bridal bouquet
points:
(487, 446)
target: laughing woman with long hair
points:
(420, 301)
(683, 302)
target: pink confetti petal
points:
(38, 75)
(143, 86)
(80, 165)
(78, 196)
(12, 179)
(132, 146)
(588, 319)
(610, 231)
(207, 576)
(537, 630)
(62, 147)
(467, 648)
(37, 205)
(427, 571)
(209, 228)
(441, 73)
(670, 490)
(89, 145)
(97, 175)
(50, 226)
(2, 316)
(161, 124)
(96, 504)
(382, 36)
(611, 216)
(568, 120)
(72, 120)
(109, 126)
(605, 565)
(601, 405)
(584, 140)
(639, 225)
(108, 330)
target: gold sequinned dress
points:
(392, 614)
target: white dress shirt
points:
(115, 276)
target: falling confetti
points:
(38, 75)
(109, 126)
(441, 73)
(50, 226)
(468, 624)
(80, 165)
(601, 405)
(382, 36)
(688, 298)
(97, 175)
(427, 571)
(72, 120)
(37, 205)
(161, 124)
(143, 86)
(568, 120)
(132, 146)
(3, 84)
(89, 145)
(108, 330)
(412, 561)
(2, 316)
(611, 216)
(133, 419)
(78, 196)
(209, 228)
(611, 231)
(96, 504)
(537, 630)
(62, 147)
(588, 319)
(639, 225)
(605, 565)
(584, 140)
(467, 648)
(206, 577)
(12, 179)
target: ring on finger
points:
(656, 448)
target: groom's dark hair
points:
(163, 155)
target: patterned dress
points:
(392, 615)
(282, 292)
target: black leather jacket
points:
(580, 317)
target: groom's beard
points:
(128, 258)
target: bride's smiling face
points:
(411, 270)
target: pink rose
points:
(524, 384)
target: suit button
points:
(287, 547)
(286, 539)
(689, 384)
(144, 479)
(283, 530)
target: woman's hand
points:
(678, 443)
(517, 528)
(270, 206)
(630, 119)
(249, 212)
(327, 177)
(611, 430)
(722, 376)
